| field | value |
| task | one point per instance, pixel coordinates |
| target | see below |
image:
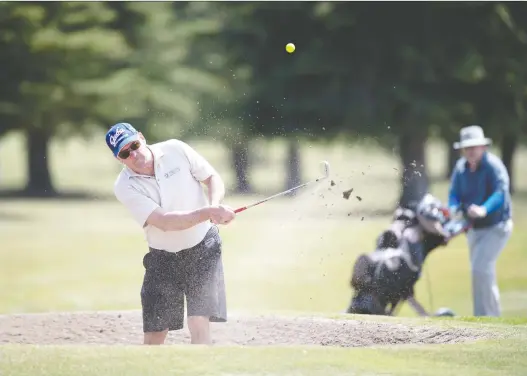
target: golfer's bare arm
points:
(147, 212)
(176, 220)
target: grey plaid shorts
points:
(195, 274)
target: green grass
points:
(491, 357)
(286, 255)
(485, 358)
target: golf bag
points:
(384, 278)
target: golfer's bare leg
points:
(199, 328)
(155, 338)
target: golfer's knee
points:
(483, 276)
(155, 338)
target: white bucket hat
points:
(472, 136)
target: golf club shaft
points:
(276, 195)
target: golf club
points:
(325, 166)
(454, 228)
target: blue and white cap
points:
(120, 135)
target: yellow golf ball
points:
(290, 47)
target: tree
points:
(49, 51)
(491, 87)
(72, 68)
(277, 95)
(159, 86)
(358, 68)
(505, 57)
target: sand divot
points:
(125, 328)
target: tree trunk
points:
(414, 177)
(293, 165)
(509, 142)
(460, 118)
(39, 179)
(240, 160)
(452, 158)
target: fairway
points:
(288, 258)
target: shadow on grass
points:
(369, 213)
(488, 320)
(25, 195)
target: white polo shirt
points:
(175, 186)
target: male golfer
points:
(160, 185)
(480, 186)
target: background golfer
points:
(480, 185)
(160, 185)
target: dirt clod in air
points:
(346, 194)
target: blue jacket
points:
(488, 186)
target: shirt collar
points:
(481, 164)
(156, 151)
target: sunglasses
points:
(124, 154)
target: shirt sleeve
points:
(500, 185)
(200, 168)
(138, 204)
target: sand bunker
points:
(125, 328)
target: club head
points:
(444, 312)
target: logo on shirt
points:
(172, 172)
(115, 137)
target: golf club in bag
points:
(325, 166)
(459, 224)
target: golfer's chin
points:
(472, 161)
(136, 165)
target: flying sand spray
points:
(325, 167)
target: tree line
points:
(220, 70)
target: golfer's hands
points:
(221, 214)
(475, 211)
